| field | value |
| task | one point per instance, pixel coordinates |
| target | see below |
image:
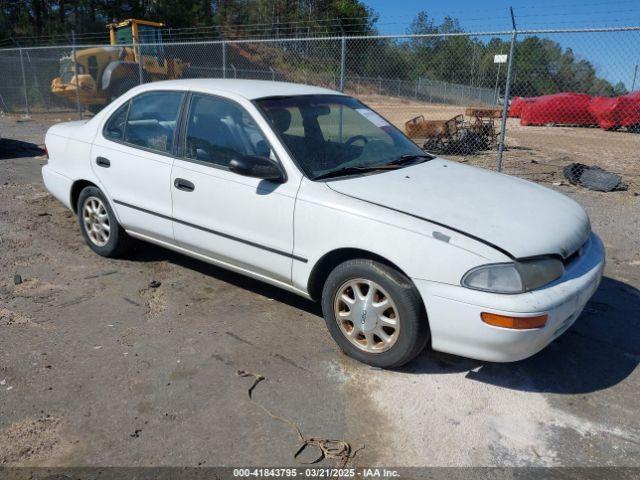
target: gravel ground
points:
(536, 153)
(97, 367)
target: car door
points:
(132, 157)
(242, 221)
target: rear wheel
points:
(121, 87)
(374, 313)
(95, 108)
(99, 226)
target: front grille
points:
(575, 255)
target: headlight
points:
(516, 277)
(498, 278)
(536, 273)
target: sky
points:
(613, 54)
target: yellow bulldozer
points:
(102, 74)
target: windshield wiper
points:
(392, 165)
(353, 170)
(410, 157)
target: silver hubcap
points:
(96, 221)
(366, 315)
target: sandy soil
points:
(536, 153)
(98, 367)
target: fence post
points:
(24, 84)
(75, 72)
(273, 74)
(343, 61)
(224, 59)
(495, 90)
(235, 72)
(140, 69)
(505, 107)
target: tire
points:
(121, 87)
(94, 209)
(377, 282)
(95, 108)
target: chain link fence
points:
(544, 104)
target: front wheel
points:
(374, 313)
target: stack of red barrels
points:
(578, 109)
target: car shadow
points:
(10, 148)
(147, 252)
(600, 350)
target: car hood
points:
(521, 218)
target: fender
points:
(116, 70)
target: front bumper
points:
(454, 311)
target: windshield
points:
(332, 133)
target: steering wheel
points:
(355, 138)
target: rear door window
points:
(151, 122)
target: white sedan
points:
(310, 190)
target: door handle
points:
(103, 162)
(184, 185)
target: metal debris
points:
(339, 450)
(593, 178)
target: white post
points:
(75, 70)
(24, 85)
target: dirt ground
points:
(535, 153)
(98, 366)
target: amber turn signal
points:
(517, 323)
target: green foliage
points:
(44, 18)
(542, 66)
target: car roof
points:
(250, 89)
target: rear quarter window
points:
(114, 128)
(152, 119)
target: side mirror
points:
(257, 167)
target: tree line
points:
(542, 65)
(42, 18)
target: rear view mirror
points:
(321, 110)
(257, 167)
(315, 111)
